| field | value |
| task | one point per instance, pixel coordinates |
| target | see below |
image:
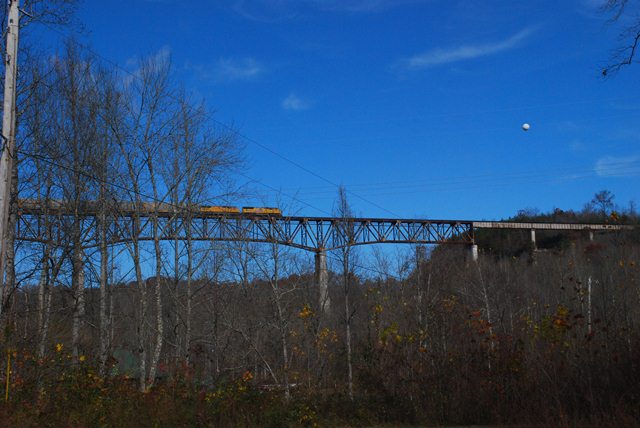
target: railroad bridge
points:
(38, 222)
(316, 234)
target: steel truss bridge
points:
(317, 234)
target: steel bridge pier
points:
(47, 221)
(322, 281)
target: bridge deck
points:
(548, 226)
(309, 233)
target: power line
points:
(136, 76)
(490, 183)
(301, 167)
(285, 194)
(139, 193)
(235, 131)
(447, 185)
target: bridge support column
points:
(473, 252)
(533, 239)
(322, 279)
(591, 236)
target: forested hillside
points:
(549, 337)
(104, 325)
(600, 210)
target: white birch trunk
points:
(78, 295)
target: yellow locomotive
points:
(219, 209)
(266, 211)
(262, 211)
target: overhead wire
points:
(139, 193)
(266, 148)
(611, 169)
(236, 132)
(303, 168)
(294, 198)
(333, 185)
(150, 197)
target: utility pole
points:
(8, 134)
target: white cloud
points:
(612, 166)
(162, 55)
(438, 57)
(238, 69)
(228, 69)
(293, 102)
(155, 60)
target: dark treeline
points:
(188, 332)
(602, 209)
(544, 338)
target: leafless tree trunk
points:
(271, 269)
(159, 320)
(344, 212)
(102, 172)
(78, 297)
(189, 303)
(51, 12)
(142, 314)
(75, 91)
(200, 160)
(130, 157)
(49, 275)
(176, 282)
(9, 284)
(104, 283)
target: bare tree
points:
(347, 233)
(198, 164)
(126, 120)
(53, 12)
(156, 93)
(102, 167)
(625, 54)
(272, 269)
(76, 124)
(603, 201)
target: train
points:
(268, 211)
(91, 207)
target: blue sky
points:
(416, 106)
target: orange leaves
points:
(306, 312)
(378, 309)
(247, 376)
(478, 325)
(324, 338)
(449, 303)
(391, 334)
(560, 319)
(559, 322)
(562, 311)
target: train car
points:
(269, 211)
(219, 209)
